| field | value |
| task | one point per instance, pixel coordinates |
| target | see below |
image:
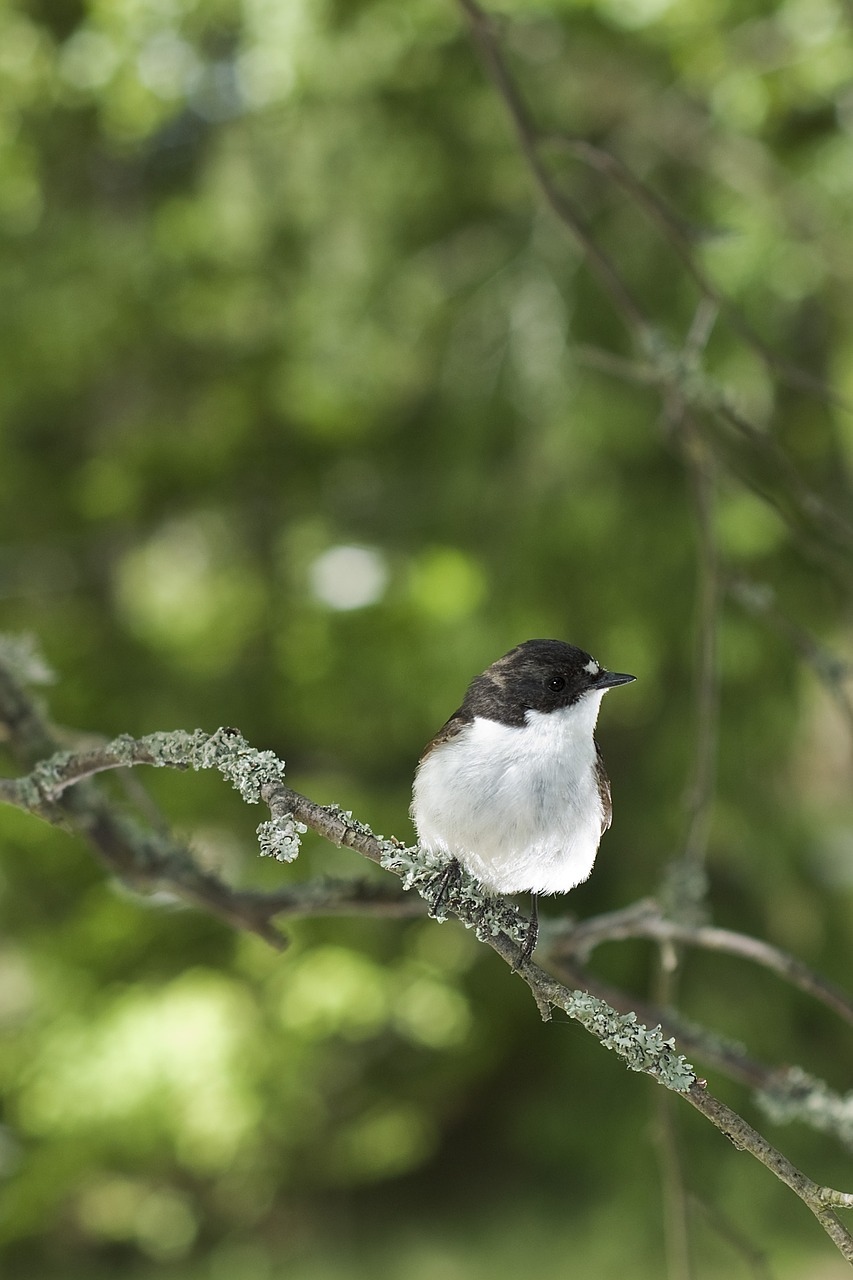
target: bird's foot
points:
(447, 881)
(529, 945)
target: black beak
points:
(609, 679)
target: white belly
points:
(518, 807)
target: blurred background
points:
(310, 409)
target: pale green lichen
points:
(796, 1095)
(22, 656)
(641, 1048)
(684, 893)
(464, 897)
(47, 775)
(247, 769)
(416, 867)
(280, 838)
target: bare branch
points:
(701, 790)
(821, 1200)
(528, 139)
(752, 1257)
(644, 920)
(357, 897)
(675, 1201)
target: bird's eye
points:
(557, 683)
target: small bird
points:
(513, 786)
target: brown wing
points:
(603, 789)
(447, 732)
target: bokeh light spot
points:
(446, 584)
(349, 577)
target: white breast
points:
(518, 806)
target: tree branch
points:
(644, 919)
(682, 236)
(834, 673)
(753, 455)
(821, 1200)
(528, 140)
(257, 775)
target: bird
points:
(513, 786)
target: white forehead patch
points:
(592, 667)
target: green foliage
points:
(299, 429)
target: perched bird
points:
(513, 786)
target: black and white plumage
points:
(513, 786)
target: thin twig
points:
(833, 672)
(639, 372)
(675, 1215)
(681, 236)
(687, 883)
(752, 456)
(806, 512)
(823, 1201)
(754, 1258)
(528, 140)
(700, 472)
(811, 508)
(675, 1218)
(644, 920)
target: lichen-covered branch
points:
(786, 1094)
(257, 776)
(63, 789)
(59, 790)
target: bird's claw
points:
(447, 881)
(529, 945)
